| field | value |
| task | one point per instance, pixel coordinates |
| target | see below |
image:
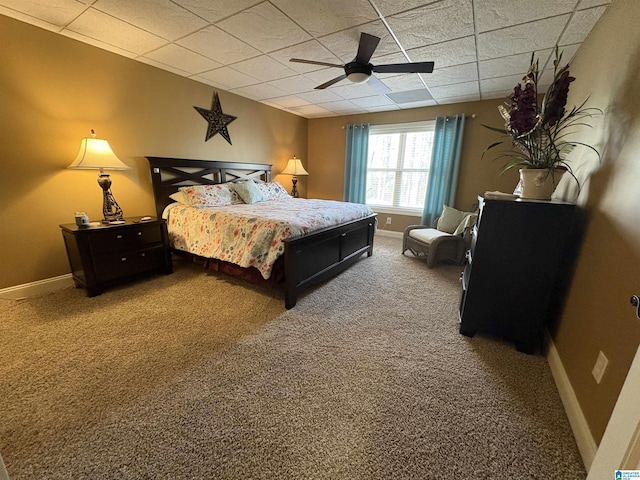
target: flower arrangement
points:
(538, 133)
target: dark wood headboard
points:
(169, 174)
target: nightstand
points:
(108, 255)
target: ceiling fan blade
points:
(313, 62)
(366, 47)
(330, 82)
(377, 85)
(418, 67)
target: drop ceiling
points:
(481, 48)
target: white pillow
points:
(449, 219)
(248, 191)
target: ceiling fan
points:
(360, 70)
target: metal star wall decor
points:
(218, 121)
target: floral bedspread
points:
(253, 235)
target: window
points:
(398, 165)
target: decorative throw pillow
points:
(201, 196)
(179, 197)
(248, 191)
(449, 219)
(272, 190)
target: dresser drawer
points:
(120, 265)
(125, 239)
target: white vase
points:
(538, 184)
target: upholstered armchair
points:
(447, 241)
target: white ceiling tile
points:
(99, 44)
(213, 11)
(593, 3)
(110, 30)
(349, 91)
(265, 68)
(209, 82)
(391, 7)
(503, 94)
(450, 75)
(457, 90)
(425, 103)
(344, 44)
(218, 45)
(496, 14)
(289, 101)
(568, 52)
(434, 23)
(297, 84)
(261, 91)
(58, 12)
(160, 17)
(500, 84)
(445, 54)
(385, 108)
(320, 17)
(229, 77)
(459, 99)
(341, 106)
(311, 50)
(28, 19)
(183, 59)
(581, 24)
(163, 66)
(264, 27)
(320, 96)
(374, 101)
(518, 39)
(511, 65)
(312, 110)
(409, 81)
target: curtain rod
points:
(473, 115)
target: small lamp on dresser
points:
(294, 167)
(95, 153)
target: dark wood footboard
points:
(320, 255)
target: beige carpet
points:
(196, 376)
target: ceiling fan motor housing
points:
(358, 72)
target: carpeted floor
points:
(197, 376)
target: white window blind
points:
(398, 165)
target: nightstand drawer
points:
(120, 265)
(125, 239)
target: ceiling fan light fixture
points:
(358, 77)
(357, 72)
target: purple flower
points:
(523, 109)
(556, 98)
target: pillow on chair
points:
(450, 219)
(454, 221)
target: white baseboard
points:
(36, 288)
(584, 439)
(388, 233)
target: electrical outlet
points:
(388, 221)
(600, 367)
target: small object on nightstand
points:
(145, 219)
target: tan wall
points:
(327, 153)
(53, 90)
(598, 316)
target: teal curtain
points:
(445, 162)
(355, 175)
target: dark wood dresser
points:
(515, 266)
(107, 255)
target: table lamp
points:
(95, 153)
(294, 167)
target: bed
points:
(306, 258)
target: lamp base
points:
(294, 188)
(110, 208)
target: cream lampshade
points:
(95, 153)
(294, 167)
